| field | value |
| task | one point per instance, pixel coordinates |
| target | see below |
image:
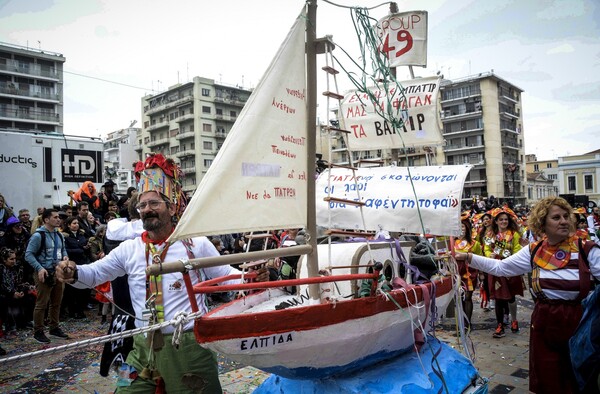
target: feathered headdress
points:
(160, 174)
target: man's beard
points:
(152, 225)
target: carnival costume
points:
(560, 280)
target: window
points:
(536, 167)
(206, 127)
(233, 114)
(207, 163)
(205, 92)
(205, 110)
(548, 165)
(219, 111)
(571, 183)
(207, 145)
(588, 181)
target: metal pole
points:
(311, 143)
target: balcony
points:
(510, 144)
(452, 148)
(464, 132)
(24, 90)
(189, 170)
(447, 116)
(187, 134)
(185, 153)
(162, 141)
(138, 148)
(235, 102)
(226, 118)
(164, 104)
(509, 113)
(185, 117)
(449, 98)
(475, 183)
(29, 113)
(13, 66)
(157, 125)
(220, 134)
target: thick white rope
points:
(179, 321)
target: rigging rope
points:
(178, 322)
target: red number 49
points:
(402, 36)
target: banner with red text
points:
(396, 199)
(418, 108)
(404, 38)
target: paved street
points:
(503, 361)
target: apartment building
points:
(119, 156)
(31, 89)
(189, 122)
(482, 126)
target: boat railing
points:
(215, 285)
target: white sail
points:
(390, 200)
(258, 179)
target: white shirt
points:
(130, 258)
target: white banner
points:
(390, 201)
(418, 108)
(404, 38)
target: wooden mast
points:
(311, 116)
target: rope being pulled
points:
(179, 321)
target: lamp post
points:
(512, 167)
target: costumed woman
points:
(506, 242)
(465, 243)
(485, 236)
(561, 279)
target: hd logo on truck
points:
(81, 165)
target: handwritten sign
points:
(404, 38)
(418, 109)
(390, 201)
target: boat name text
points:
(259, 343)
(261, 169)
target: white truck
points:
(38, 169)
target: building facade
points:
(190, 122)
(579, 175)
(119, 156)
(31, 89)
(482, 122)
(542, 178)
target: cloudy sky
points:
(117, 51)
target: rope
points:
(178, 322)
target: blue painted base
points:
(403, 374)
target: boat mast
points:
(311, 115)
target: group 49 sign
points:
(404, 38)
(408, 200)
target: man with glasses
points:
(155, 299)
(45, 250)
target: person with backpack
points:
(45, 250)
(563, 267)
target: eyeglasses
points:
(152, 204)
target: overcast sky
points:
(550, 49)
